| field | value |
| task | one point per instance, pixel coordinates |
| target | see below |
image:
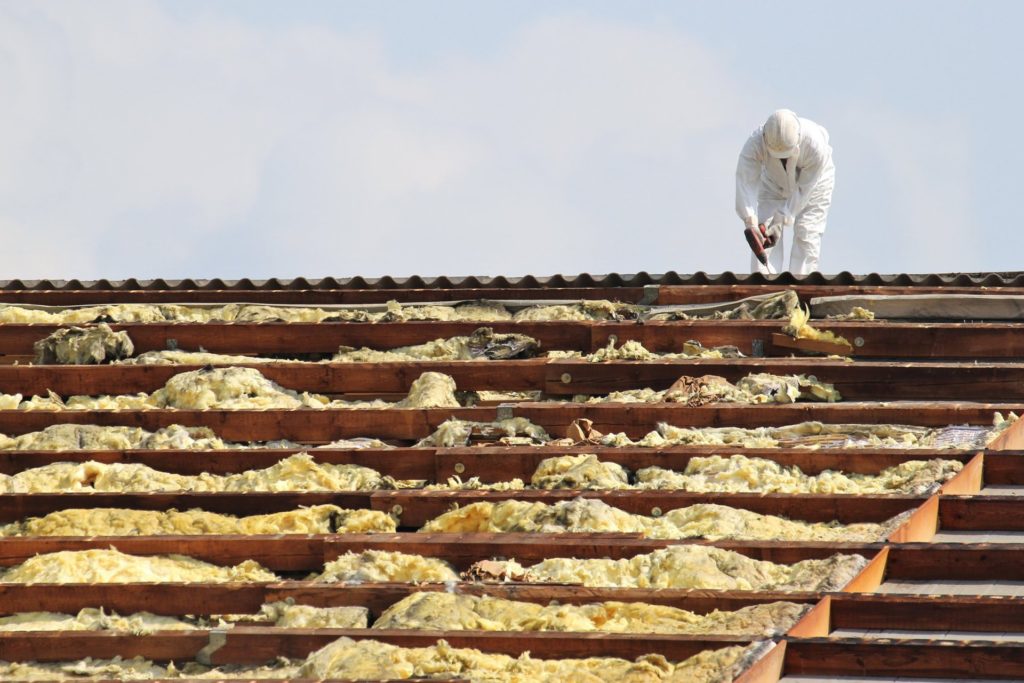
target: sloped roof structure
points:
(939, 594)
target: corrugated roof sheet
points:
(1010, 279)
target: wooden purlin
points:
(280, 553)
(846, 610)
(418, 507)
(178, 599)
(938, 659)
(872, 611)
(634, 419)
(259, 645)
(878, 339)
(400, 463)
(858, 381)
(302, 338)
(17, 506)
(301, 553)
(493, 464)
(863, 380)
(980, 513)
(324, 378)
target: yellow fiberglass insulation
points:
(455, 432)
(93, 619)
(69, 477)
(582, 471)
(135, 668)
(248, 313)
(753, 389)
(703, 520)
(83, 346)
(193, 358)
(319, 519)
(227, 388)
(74, 437)
(483, 344)
(283, 614)
(598, 309)
(138, 668)
(111, 566)
(431, 390)
(818, 435)
(372, 660)
(738, 473)
(298, 472)
(380, 565)
(631, 349)
(288, 615)
(856, 313)
(799, 327)
(690, 566)
(233, 388)
(444, 611)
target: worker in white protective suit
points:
(784, 182)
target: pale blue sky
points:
(259, 138)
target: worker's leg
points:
(810, 226)
(767, 205)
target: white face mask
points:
(792, 153)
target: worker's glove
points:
(750, 222)
(770, 234)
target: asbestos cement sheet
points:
(930, 307)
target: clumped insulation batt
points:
(298, 472)
(138, 668)
(634, 350)
(819, 435)
(739, 474)
(282, 614)
(587, 515)
(349, 659)
(73, 437)
(799, 327)
(513, 431)
(372, 660)
(233, 388)
(249, 313)
(444, 611)
(682, 566)
(759, 308)
(112, 566)
(756, 388)
(379, 565)
(734, 474)
(83, 346)
(585, 471)
(483, 344)
(318, 519)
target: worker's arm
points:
(814, 156)
(748, 179)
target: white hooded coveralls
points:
(801, 192)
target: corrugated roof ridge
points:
(992, 279)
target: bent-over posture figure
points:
(784, 182)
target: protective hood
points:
(782, 134)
